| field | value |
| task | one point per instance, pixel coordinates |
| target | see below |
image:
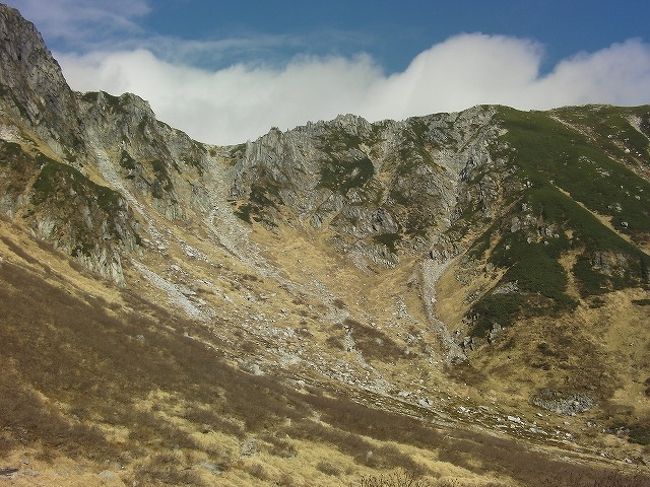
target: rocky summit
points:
(460, 299)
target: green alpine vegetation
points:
(567, 182)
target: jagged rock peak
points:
(32, 86)
(126, 102)
(22, 43)
(25, 59)
(351, 121)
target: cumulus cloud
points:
(244, 100)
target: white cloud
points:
(243, 101)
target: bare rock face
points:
(148, 157)
(89, 222)
(50, 191)
(98, 174)
(33, 89)
(458, 237)
(384, 188)
(381, 190)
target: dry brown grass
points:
(258, 471)
(168, 469)
(362, 451)
(18, 250)
(74, 372)
(279, 447)
(373, 344)
(400, 478)
(286, 480)
(207, 419)
(328, 469)
(74, 352)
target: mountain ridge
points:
(463, 269)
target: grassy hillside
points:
(567, 196)
(551, 293)
(110, 381)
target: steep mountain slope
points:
(104, 388)
(461, 295)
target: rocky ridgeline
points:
(103, 180)
(529, 216)
(33, 89)
(384, 188)
(106, 183)
(57, 143)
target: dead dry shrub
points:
(400, 478)
(206, 420)
(286, 480)
(280, 447)
(258, 471)
(373, 343)
(328, 469)
(168, 469)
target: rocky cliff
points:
(428, 266)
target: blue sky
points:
(395, 31)
(228, 71)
